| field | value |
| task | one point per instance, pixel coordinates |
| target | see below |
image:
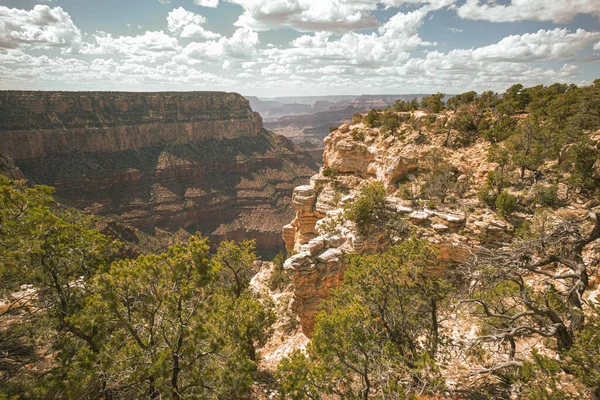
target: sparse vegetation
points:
(363, 210)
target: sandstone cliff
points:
(198, 161)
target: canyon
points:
(195, 161)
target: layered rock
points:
(198, 161)
(320, 236)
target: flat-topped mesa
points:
(39, 124)
(198, 161)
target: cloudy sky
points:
(297, 47)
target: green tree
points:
(378, 335)
(173, 330)
(363, 210)
(433, 103)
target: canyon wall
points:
(160, 161)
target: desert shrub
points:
(279, 278)
(505, 203)
(332, 129)
(357, 118)
(329, 172)
(372, 119)
(439, 182)
(546, 196)
(364, 209)
(357, 135)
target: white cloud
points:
(597, 46)
(558, 11)
(188, 24)
(455, 30)
(544, 45)
(149, 47)
(40, 27)
(207, 3)
(241, 45)
(389, 45)
(307, 15)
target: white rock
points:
(439, 227)
(331, 255)
(418, 216)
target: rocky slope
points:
(320, 235)
(197, 161)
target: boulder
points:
(418, 216)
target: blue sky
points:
(297, 47)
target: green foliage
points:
(332, 129)
(505, 203)
(363, 210)
(329, 172)
(495, 182)
(583, 359)
(357, 118)
(372, 119)
(358, 135)
(465, 123)
(439, 182)
(390, 121)
(433, 103)
(378, 334)
(462, 99)
(498, 129)
(279, 278)
(546, 196)
(581, 162)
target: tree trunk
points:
(434, 328)
(564, 338)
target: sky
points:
(271, 48)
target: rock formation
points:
(198, 160)
(320, 236)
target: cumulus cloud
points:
(151, 47)
(544, 45)
(241, 45)
(562, 11)
(307, 15)
(188, 24)
(40, 27)
(207, 3)
(391, 44)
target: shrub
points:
(357, 118)
(329, 172)
(332, 129)
(357, 135)
(372, 119)
(505, 203)
(546, 196)
(279, 279)
(364, 209)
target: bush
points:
(546, 196)
(279, 279)
(372, 119)
(364, 209)
(357, 135)
(357, 118)
(332, 129)
(505, 203)
(329, 172)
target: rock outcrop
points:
(320, 236)
(198, 161)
